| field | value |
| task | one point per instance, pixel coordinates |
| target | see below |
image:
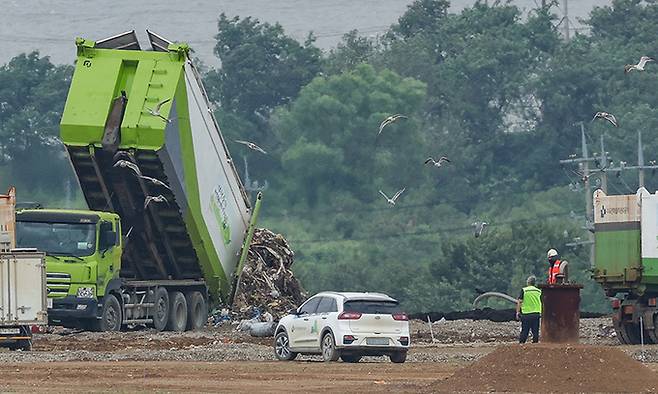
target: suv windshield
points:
(372, 307)
(62, 239)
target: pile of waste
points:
(267, 289)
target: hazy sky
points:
(51, 26)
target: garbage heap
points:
(267, 284)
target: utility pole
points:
(640, 164)
(566, 20)
(640, 160)
(584, 161)
(604, 163)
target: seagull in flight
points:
(389, 120)
(155, 181)
(585, 177)
(437, 163)
(156, 110)
(127, 164)
(394, 198)
(251, 146)
(158, 198)
(479, 228)
(639, 66)
(606, 116)
(123, 153)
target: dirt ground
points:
(221, 359)
(306, 376)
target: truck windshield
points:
(62, 239)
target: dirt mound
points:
(552, 368)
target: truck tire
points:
(197, 310)
(161, 308)
(177, 312)
(111, 318)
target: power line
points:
(431, 232)
(398, 206)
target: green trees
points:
(329, 136)
(32, 95)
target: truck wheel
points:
(197, 310)
(629, 334)
(24, 344)
(161, 309)
(111, 316)
(177, 312)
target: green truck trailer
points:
(169, 222)
(626, 261)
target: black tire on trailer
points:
(111, 317)
(197, 310)
(631, 333)
(177, 312)
(161, 309)
(24, 344)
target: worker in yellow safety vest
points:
(528, 310)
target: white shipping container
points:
(23, 298)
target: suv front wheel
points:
(282, 347)
(329, 351)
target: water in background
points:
(51, 26)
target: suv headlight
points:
(85, 292)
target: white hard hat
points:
(551, 253)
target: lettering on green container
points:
(218, 206)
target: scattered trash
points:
(262, 329)
(267, 283)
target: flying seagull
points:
(479, 228)
(123, 153)
(437, 163)
(156, 110)
(158, 198)
(127, 164)
(251, 146)
(395, 197)
(609, 117)
(584, 177)
(155, 181)
(389, 120)
(640, 65)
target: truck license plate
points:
(50, 303)
(377, 341)
(10, 331)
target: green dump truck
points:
(169, 222)
(626, 261)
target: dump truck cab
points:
(83, 257)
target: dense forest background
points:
(499, 94)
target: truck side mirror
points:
(108, 237)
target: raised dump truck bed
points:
(169, 220)
(132, 112)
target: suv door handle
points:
(324, 317)
(306, 319)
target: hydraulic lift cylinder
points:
(560, 318)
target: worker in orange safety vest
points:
(557, 271)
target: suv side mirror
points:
(294, 312)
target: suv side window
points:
(310, 306)
(327, 305)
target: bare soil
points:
(553, 368)
(277, 377)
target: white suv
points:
(345, 325)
